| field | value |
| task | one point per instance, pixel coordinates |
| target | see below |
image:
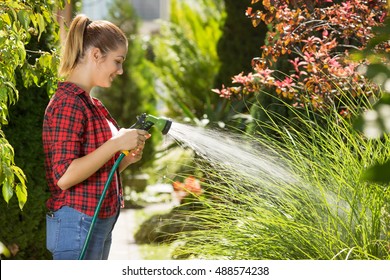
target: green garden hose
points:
(108, 182)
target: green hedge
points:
(26, 229)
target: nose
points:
(120, 70)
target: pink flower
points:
(224, 92)
(297, 63)
(286, 83)
(241, 79)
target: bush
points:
(29, 68)
(26, 229)
(305, 59)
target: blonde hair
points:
(83, 34)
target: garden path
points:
(123, 245)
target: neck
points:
(79, 77)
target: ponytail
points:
(83, 34)
(73, 49)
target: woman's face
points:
(109, 66)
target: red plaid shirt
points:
(75, 125)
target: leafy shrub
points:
(26, 229)
(28, 67)
(20, 23)
(305, 59)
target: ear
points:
(96, 54)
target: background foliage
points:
(186, 60)
(305, 59)
(28, 67)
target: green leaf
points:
(24, 18)
(4, 250)
(382, 31)
(22, 51)
(19, 173)
(3, 114)
(377, 173)
(2, 175)
(378, 72)
(7, 190)
(375, 122)
(6, 19)
(12, 10)
(3, 94)
(8, 181)
(33, 19)
(45, 61)
(357, 55)
(21, 193)
(12, 97)
(41, 24)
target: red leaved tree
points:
(316, 39)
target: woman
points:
(82, 141)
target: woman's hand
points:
(134, 155)
(130, 139)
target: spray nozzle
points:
(145, 122)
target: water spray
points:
(144, 122)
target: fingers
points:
(143, 135)
(142, 132)
(140, 143)
(135, 155)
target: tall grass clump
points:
(323, 210)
